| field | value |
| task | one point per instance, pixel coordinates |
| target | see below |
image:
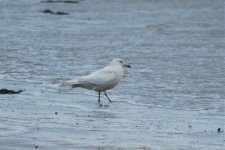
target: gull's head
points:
(120, 61)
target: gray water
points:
(172, 97)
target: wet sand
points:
(172, 97)
(60, 119)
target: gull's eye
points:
(121, 61)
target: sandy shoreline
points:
(171, 99)
(52, 120)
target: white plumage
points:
(102, 79)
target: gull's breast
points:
(110, 82)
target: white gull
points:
(102, 79)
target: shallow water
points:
(172, 97)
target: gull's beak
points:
(126, 65)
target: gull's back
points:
(100, 80)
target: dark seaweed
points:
(6, 91)
(48, 11)
(61, 1)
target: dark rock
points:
(48, 11)
(69, 1)
(6, 91)
(61, 13)
(219, 130)
(61, 1)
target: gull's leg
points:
(99, 93)
(107, 97)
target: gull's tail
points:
(73, 83)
